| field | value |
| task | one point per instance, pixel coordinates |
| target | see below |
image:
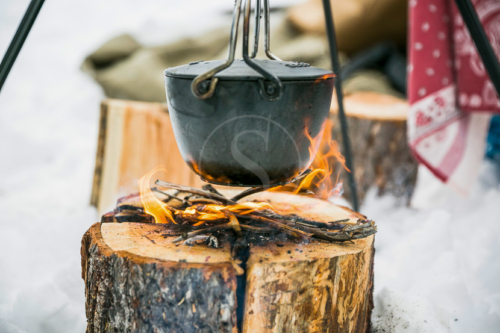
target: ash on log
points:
(138, 280)
(382, 158)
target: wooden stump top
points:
(373, 106)
(149, 240)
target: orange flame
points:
(323, 164)
(320, 180)
(162, 213)
(212, 212)
(152, 205)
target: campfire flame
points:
(152, 205)
(213, 212)
(320, 181)
(163, 213)
(323, 165)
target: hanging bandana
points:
(451, 96)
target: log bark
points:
(382, 158)
(137, 280)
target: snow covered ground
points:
(436, 267)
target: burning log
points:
(382, 159)
(272, 257)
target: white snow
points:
(436, 267)
(442, 257)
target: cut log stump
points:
(137, 280)
(382, 158)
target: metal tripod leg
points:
(17, 42)
(481, 41)
(330, 29)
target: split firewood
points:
(246, 281)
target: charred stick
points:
(204, 201)
(297, 233)
(306, 224)
(108, 217)
(360, 231)
(254, 190)
(211, 189)
(127, 207)
(292, 187)
(327, 226)
(365, 233)
(196, 191)
(258, 229)
(124, 217)
(248, 192)
(202, 231)
(181, 217)
(170, 196)
(213, 241)
(351, 228)
(196, 239)
(302, 175)
(233, 222)
(333, 225)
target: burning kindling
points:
(205, 214)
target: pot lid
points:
(239, 70)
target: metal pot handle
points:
(272, 89)
(201, 87)
(267, 39)
(256, 32)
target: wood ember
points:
(196, 223)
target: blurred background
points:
(436, 261)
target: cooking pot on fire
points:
(248, 122)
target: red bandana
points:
(450, 94)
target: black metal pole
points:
(330, 30)
(479, 37)
(17, 42)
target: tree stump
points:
(137, 280)
(382, 158)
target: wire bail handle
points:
(203, 85)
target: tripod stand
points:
(465, 7)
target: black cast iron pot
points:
(238, 136)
